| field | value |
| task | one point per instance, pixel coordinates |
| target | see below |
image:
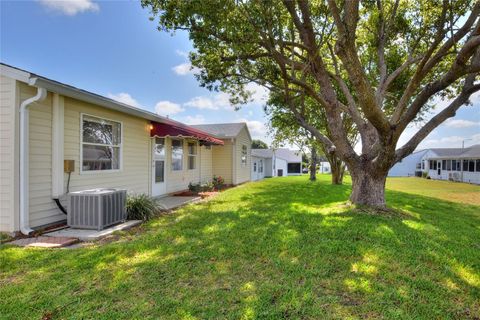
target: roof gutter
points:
(24, 164)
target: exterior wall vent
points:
(97, 208)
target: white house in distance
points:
(275, 163)
(454, 164)
(56, 139)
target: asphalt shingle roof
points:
(289, 155)
(262, 153)
(473, 151)
(285, 154)
(225, 130)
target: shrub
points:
(207, 187)
(218, 182)
(141, 207)
(194, 187)
(424, 174)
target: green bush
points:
(194, 187)
(424, 174)
(141, 207)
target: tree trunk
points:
(313, 164)
(338, 168)
(368, 187)
(337, 174)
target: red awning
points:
(172, 130)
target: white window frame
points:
(120, 146)
(194, 155)
(171, 154)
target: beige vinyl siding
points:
(134, 175)
(179, 180)
(206, 166)
(242, 172)
(222, 161)
(42, 209)
(9, 154)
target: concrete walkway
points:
(92, 235)
(173, 202)
(45, 242)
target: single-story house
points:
(276, 163)
(232, 160)
(56, 138)
(454, 164)
(408, 166)
(324, 166)
(261, 160)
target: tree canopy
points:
(378, 64)
(259, 144)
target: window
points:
(192, 155)
(465, 165)
(471, 165)
(244, 155)
(254, 167)
(478, 165)
(449, 165)
(293, 168)
(177, 155)
(423, 164)
(101, 144)
(444, 164)
(260, 166)
(159, 148)
(159, 171)
(159, 160)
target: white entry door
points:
(158, 167)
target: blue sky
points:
(113, 49)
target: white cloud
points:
(197, 119)
(184, 69)
(201, 103)
(124, 97)
(450, 142)
(182, 53)
(70, 7)
(220, 100)
(460, 123)
(167, 108)
(257, 129)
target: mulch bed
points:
(204, 194)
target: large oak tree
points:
(381, 63)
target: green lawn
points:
(280, 248)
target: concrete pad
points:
(45, 242)
(92, 235)
(173, 202)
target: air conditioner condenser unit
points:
(96, 208)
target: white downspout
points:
(24, 165)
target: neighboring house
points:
(232, 160)
(261, 163)
(324, 166)
(277, 162)
(109, 145)
(455, 164)
(409, 166)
